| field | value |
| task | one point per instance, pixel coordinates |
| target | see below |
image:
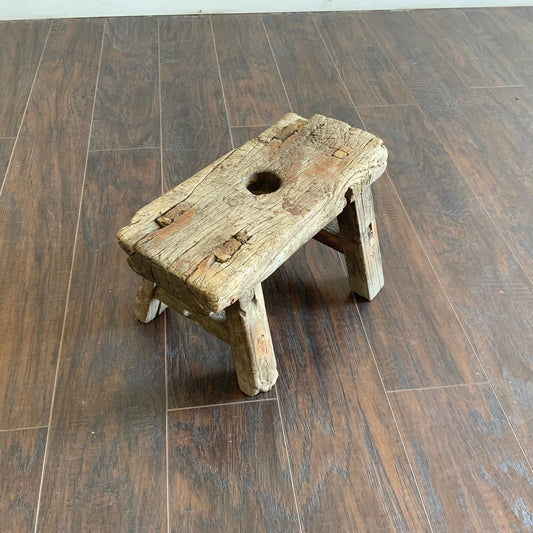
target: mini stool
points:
(204, 247)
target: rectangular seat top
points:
(227, 228)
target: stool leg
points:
(357, 224)
(251, 344)
(146, 306)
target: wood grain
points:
(106, 463)
(360, 245)
(63, 94)
(244, 134)
(312, 83)
(416, 336)
(21, 461)
(485, 284)
(512, 28)
(489, 141)
(251, 343)
(21, 45)
(195, 127)
(471, 471)
(422, 65)
(40, 205)
(253, 89)
(126, 113)
(367, 72)
(228, 470)
(474, 53)
(6, 148)
(346, 456)
(487, 132)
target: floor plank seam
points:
(25, 109)
(165, 313)
(411, 469)
(252, 126)
(285, 442)
(221, 82)
(134, 149)
(29, 428)
(439, 387)
(59, 353)
(223, 404)
(384, 105)
(497, 87)
(276, 63)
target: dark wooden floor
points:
(410, 413)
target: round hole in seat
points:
(263, 182)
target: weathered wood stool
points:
(204, 247)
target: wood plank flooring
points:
(409, 413)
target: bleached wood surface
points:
(251, 343)
(359, 236)
(210, 239)
(147, 306)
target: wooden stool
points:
(204, 247)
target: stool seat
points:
(215, 236)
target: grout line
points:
(15, 137)
(276, 63)
(498, 87)
(165, 348)
(363, 325)
(438, 387)
(285, 442)
(220, 404)
(221, 82)
(22, 429)
(59, 353)
(124, 149)
(25, 110)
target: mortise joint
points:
(173, 215)
(286, 132)
(225, 251)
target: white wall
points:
(29, 9)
